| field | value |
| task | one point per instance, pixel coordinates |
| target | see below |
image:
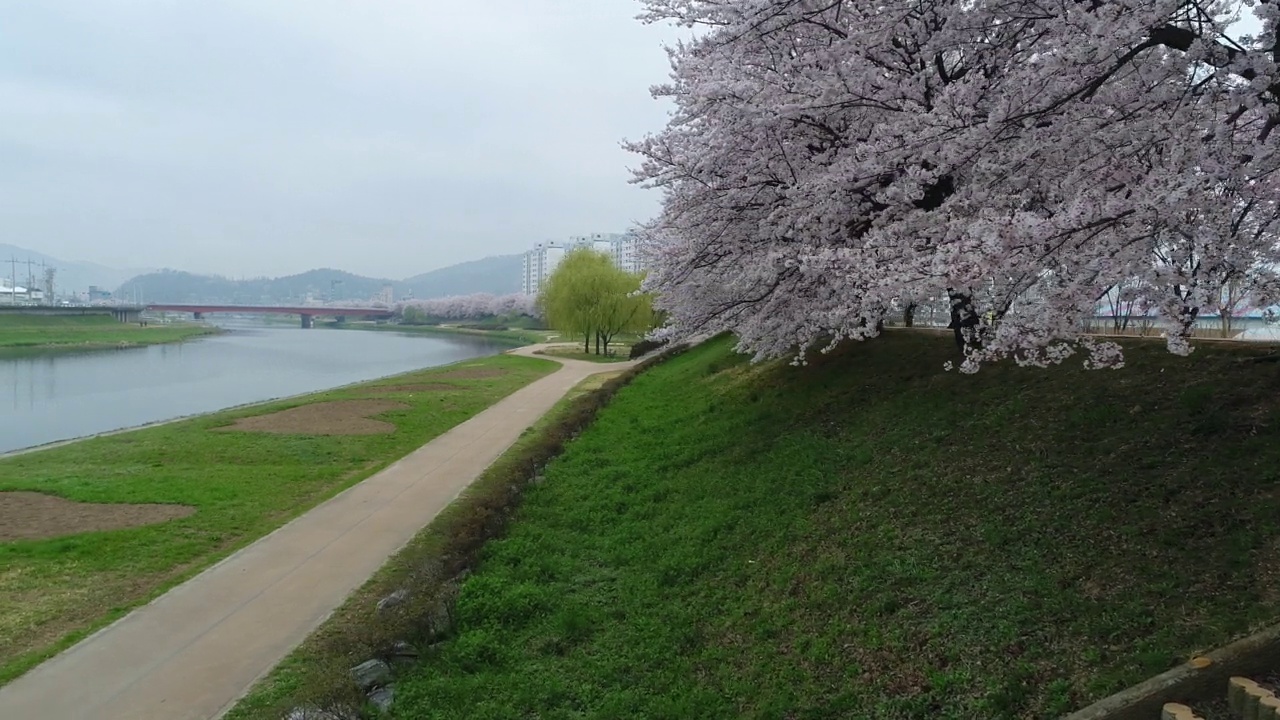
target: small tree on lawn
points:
(588, 295)
(569, 297)
(621, 308)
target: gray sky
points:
(384, 137)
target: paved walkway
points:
(198, 648)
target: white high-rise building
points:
(539, 263)
(542, 260)
(626, 253)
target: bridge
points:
(308, 313)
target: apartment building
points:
(542, 260)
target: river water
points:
(46, 397)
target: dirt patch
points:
(35, 516)
(472, 373)
(420, 387)
(340, 417)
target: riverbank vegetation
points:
(19, 330)
(244, 472)
(482, 309)
(513, 336)
(617, 353)
(316, 674)
(868, 536)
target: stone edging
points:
(1200, 678)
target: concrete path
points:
(198, 648)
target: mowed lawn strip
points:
(870, 537)
(30, 331)
(242, 484)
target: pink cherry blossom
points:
(828, 161)
(473, 307)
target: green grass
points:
(356, 630)
(869, 537)
(514, 336)
(80, 331)
(620, 353)
(53, 592)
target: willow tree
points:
(589, 296)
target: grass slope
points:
(24, 331)
(357, 631)
(243, 485)
(871, 537)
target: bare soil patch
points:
(472, 373)
(339, 417)
(419, 387)
(36, 516)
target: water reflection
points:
(50, 396)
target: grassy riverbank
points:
(88, 331)
(310, 674)
(871, 537)
(515, 337)
(60, 579)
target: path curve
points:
(191, 653)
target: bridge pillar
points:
(199, 315)
(308, 321)
(342, 319)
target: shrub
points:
(644, 347)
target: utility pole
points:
(13, 280)
(31, 278)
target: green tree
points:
(590, 297)
(411, 315)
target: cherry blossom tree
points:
(470, 307)
(828, 161)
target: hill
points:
(870, 537)
(497, 275)
(71, 277)
(175, 286)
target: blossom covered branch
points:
(830, 159)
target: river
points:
(52, 396)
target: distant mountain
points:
(70, 277)
(497, 275)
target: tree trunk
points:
(963, 316)
(586, 342)
(909, 315)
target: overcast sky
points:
(384, 137)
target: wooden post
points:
(1239, 690)
(1176, 711)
